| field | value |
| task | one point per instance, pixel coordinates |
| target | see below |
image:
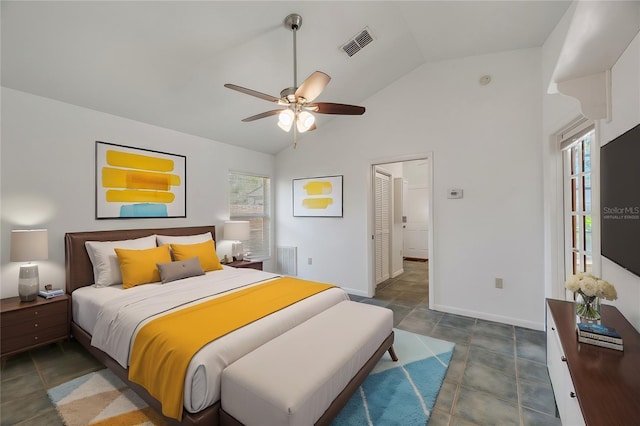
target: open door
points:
(382, 211)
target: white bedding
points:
(113, 315)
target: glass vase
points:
(587, 308)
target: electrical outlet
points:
(498, 282)
(309, 261)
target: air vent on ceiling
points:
(358, 42)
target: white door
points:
(416, 230)
(383, 225)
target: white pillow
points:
(183, 239)
(106, 269)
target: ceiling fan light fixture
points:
(305, 121)
(297, 100)
(285, 119)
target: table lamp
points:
(26, 246)
(238, 231)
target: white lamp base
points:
(28, 283)
(237, 251)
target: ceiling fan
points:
(298, 101)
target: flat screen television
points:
(620, 200)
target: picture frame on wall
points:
(318, 196)
(135, 183)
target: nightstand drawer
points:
(41, 313)
(27, 340)
(33, 326)
(26, 325)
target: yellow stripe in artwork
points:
(137, 161)
(137, 196)
(131, 179)
(317, 203)
(317, 187)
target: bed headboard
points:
(78, 267)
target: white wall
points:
(484, 139)
(625, 114)
(47, 177)
(560, 110)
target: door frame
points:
(429, 157)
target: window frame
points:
(577, 256)
(266, 216)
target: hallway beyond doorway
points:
(409, 288)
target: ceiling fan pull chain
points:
(295, 137)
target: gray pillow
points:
(171, 271)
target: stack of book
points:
(48, 294)
(599, 335)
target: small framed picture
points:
(317, 197)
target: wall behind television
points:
(625, 114)
(48, 160)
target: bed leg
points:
(392, 352)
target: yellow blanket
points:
(164, 347)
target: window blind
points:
(249, 199)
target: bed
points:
(201, 392)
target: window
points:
(577, 202)
(249, 199)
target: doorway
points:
(402, 221)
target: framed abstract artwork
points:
(318, 196)
(139, 183)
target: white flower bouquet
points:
(589, 290)
(591, 286)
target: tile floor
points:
(498, 373)
(497, 376)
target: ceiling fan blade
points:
(252, 92)
(262, 115)
(313, 86)
(333, 108)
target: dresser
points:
(593, 385)
(26, 325)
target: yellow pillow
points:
(205, 252)
(140, 266)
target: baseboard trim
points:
(398, 272)
(490, 317)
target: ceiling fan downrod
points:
(293, 22)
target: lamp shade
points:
(29, 244)
(237, 230)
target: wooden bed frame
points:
(79, 273)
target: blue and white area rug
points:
(400, 393)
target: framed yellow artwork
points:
(318, 196)
(139, 183)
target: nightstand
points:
(26, 325)
(251, 264)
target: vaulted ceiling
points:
(165, 63)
